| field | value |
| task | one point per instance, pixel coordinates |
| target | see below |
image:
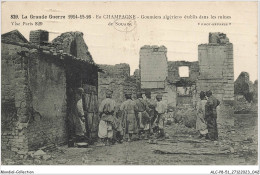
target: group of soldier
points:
(136, 119)
(142, 118)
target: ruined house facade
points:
(213, 71)
(159, 75)
(116, 78)
(38, 87)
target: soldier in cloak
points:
(142, 115)
(211, 116)
(161, 109)
(107, 119)
(201, 125)
(129, 119)
(150, 110)
(79, 117)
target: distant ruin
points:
(213, 71)
(246, 94)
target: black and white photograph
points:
(129, 83)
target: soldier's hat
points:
(139, 95)
(159, 96)
(109, 92)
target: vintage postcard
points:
(129, 83)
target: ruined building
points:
(246, 94)
(38, 87)
(162, 76)
(116, 78)
(213, 71)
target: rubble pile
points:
(242, 106)
(185, 116)
(27, 158)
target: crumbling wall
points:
(153, 66)
(35, 83)
(48, 89)
(243, 86)
(217, 73)
(113, 77)
(246, 93)
(137, 77)
(15, 98)
(73, 43)
(173, 70)
(174, 81)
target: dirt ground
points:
(236, 146)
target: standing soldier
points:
(107, 120)
(142, 115)
(79, 118)
(150, 110)
(160, 109)
(211, 116)
(128, 112)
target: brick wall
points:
(117, 78)
(15, 99)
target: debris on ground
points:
(201, 151)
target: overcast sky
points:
(109, 45)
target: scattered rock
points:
(167, 136)
(37, 161)
(248, 140)
(85, 160)
(22, 152)
(152, 141)
(39, 153)
(100, 144)
(232, 150)
(98, 159)
(46, 157)
(30, 154)
(61, 161)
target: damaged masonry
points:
(40, 79)
(38, 84)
